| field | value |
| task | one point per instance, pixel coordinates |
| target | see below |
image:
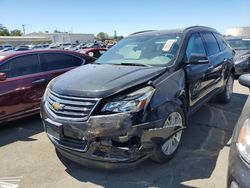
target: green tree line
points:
(5, 32)
(102, 36)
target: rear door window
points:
(55, 61)
(221, 41)
(211, 43)
(20, 66)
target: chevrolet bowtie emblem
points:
(57, 106)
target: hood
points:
(100, 81)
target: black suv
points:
(133, 103)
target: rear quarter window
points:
(221, 41)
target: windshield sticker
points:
(168, 45)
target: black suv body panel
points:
(135, 136)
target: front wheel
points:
(168, 149)
(227, 93)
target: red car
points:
(93, 52)
(24, 76)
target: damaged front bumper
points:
(107, 141)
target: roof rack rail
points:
(141, 32)
(199, 26)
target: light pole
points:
(23, 29)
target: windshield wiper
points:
(135, 64)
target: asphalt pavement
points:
(29, 160)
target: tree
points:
(102, 36)
(57, 31)
(119, 38)
(4, 31)
(15, 32)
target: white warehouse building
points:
(65, 37)
(239, 31)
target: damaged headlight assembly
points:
(132, 102)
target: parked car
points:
(54, 45)
(6, 49)
(22, 48)
(110, 45)
(134, 102)
(92, 45)
(24, 76)
(64, 45)
(241, 45)
(45, 45)
(5, 46)
(79, 46)
(38, 46)
(70, 47)
(93, 52)
(239, 156)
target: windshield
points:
(151, 50)
(240, 44)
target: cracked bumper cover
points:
(94, 151)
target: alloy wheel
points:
(170, 146)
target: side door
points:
(197, 74)
(217, 61)
(55, 64)
(19, 93)
(226, 55)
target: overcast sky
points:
(125, 16)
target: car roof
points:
(13, 53)
(173, 31)
(93, 49)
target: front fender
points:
(166, 96)
(168, 89)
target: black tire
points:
(226, 95)
(159, 156)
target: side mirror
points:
(198, 59)
(3, 76)
(233, 52)
(245, 80)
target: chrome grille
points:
(70, 108)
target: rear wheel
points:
(168, 148)
(227, 93)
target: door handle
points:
(211, 67)
(39, 81)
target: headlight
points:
(243, 143)
(132, 102)
(45, 95)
